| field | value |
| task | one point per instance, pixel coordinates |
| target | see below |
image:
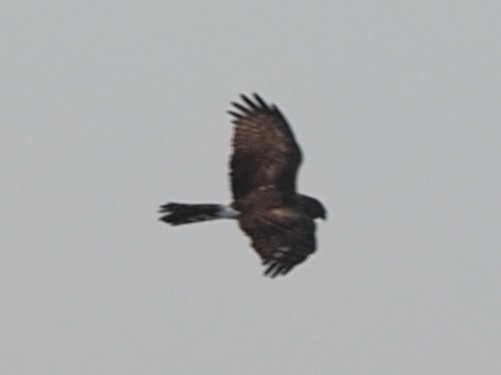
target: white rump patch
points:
(226, 212)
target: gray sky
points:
(110, 108)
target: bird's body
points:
(264, 164)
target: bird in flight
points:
(263, 171)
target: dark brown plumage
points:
(264, 149)
(263, 171)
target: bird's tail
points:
(181, 213)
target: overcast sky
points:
(111, 108)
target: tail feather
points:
(180, 213)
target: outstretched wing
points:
(264, 149)
(282, 237)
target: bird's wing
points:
(282, 237)
(264, 149)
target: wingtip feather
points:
(260, 100)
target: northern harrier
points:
(264, 164)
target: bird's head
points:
(313, 207)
